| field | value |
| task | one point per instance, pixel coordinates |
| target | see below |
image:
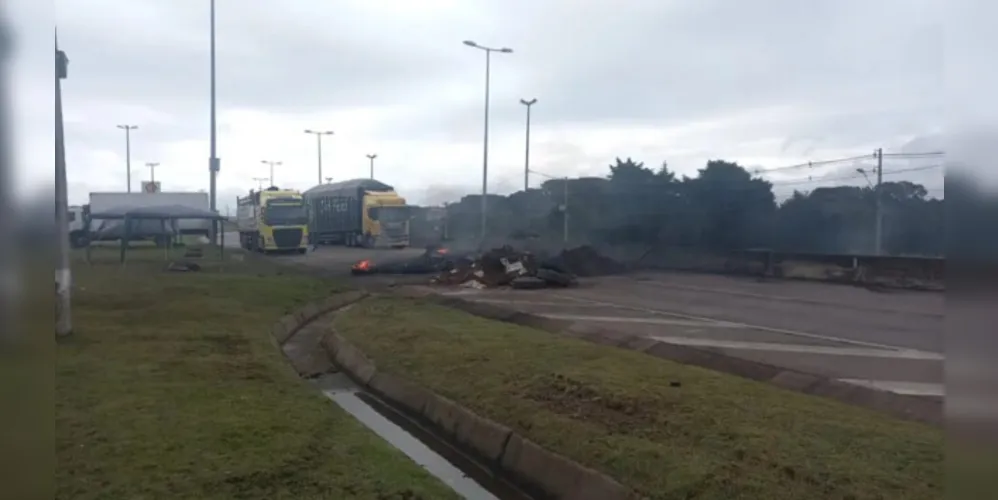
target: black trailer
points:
(335, 210)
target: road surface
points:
(887, 340)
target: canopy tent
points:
(136, 221)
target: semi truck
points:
(100, 202)
(357, 213)
(272, 219)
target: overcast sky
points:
(766, 83)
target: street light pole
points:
(526, 160)
(152, 170)
(372, 157)
(271, 164)
(63, 273)
(485, 142)
(879, 223)
(318, 137)
(128, 153)
(214, 164)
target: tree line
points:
(722, 208)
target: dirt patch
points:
(583, 401)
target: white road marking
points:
(906, 388)
(795, 333)
(804, 349)
(646, 320)
(783, 298)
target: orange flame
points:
(443, 251)
(363, 265)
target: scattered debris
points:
(183, 267)
(499, 267)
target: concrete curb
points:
(492, 443)
(289, 324)
(919, 409)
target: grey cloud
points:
(669, 65)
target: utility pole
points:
(485, 143)
(564, 215)
(152, 170)
(128, 153)
(372, 157)
(63, 272)
(214, 164)
(526, 160)
(272, 164)
(259, 182)
(878, 233)
(318, 138)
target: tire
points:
(555, 278)
(79, 239)
(302, 251)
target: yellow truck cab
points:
(358, 213)
(273, 219)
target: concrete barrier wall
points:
(892, 271)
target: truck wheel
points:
(79, 239)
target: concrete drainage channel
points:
(393, 428)
(301, 338)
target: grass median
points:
(172, 388)
(667, 430)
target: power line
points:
(916, 155)
(855, 176)
(816, 163)
(870, 156)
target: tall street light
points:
(372, 157)
(318, 138)
(152, 170)
(485, 142)
(271, 164)
(63, 273)
(214, 164)
(526, 160)
(128, 153)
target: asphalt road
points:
(892, 341)
(336, 258)
(888, 340)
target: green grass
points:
(171, 387)
(713, 437)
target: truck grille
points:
(287, 238)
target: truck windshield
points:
(285, 214)
(393, 214)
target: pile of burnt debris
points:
(500, 267)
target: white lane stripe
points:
(794, 333)
(899, 387)
(782, 298)
(805, 349)
(645, 320)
